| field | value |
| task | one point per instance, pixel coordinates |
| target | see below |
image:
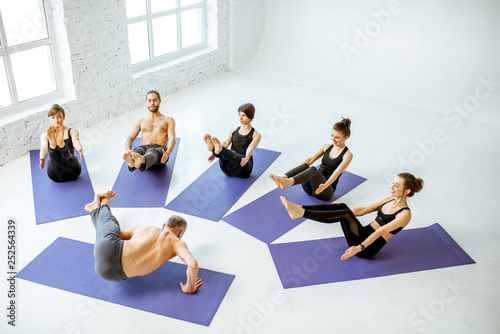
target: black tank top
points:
(69, 142)
(383, 219)
(329, 165)
(240, 143)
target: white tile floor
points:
(461, 193)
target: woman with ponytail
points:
(393, 214)
(321, 183)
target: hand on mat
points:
(211, 158)
(321, 188)
(193, 289)
(164, 157)
(350, 252)
(244, 161)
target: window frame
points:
(6, 52)
(181, 52)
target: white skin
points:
(398, 197)
(146, 248)
(156, 128)
(246, 126)
(55, 135)
(338, 140)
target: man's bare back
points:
(146, 248)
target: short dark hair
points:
(248, 109)
(153, 92)
(177, 223)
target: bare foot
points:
(60, 136)
(294, 210)
(51, 136)
(99, 200)
(282, 181)
(276, 181)
(217, 145)
(209, 142)
(138, 159)
(127, 156)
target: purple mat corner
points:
(154, 184)
(266, 219)
(212, 194)
(71, 196)
(68, 265)
(318, 261)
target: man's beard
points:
(153, 109)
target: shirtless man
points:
(139, 250)
(156, 131)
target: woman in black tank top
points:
(237, 160)
(393, 214)
(63, 165)
(321, 183)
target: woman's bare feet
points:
(59, 135)
(217, 145)
(51, 136)
(294, 210)
(138, 159)
(209, 142)
(127, 156)
(99, 200)
(282, 181)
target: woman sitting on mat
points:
(323, 182)
(393, 214)
(59, 142)
(237, 161)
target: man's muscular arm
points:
(133, 134)
(193, 281)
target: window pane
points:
(191, 27)
(5, 99)
(33, 72)
(135, 8)
(138, 42)
(165, 34)
(189, 2)
(161, 5)
(24, 23)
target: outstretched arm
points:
(402, 219)
(75, 138)
(193, 281)
(316, 155)
(363, 210)
(346, 160)
(133, 134)
(253, 145)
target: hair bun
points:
(419, 185)
(346, 121)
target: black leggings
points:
(63, 165)
(229, 162)
(354, 232)
(310, 178)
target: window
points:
(27, 70)
(160, 30)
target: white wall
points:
(247, 25)
(99, 61)
(424, 54)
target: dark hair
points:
(153, 92)
(343, 126)
(248, 109)
(412, 183)
(177, 223)
(56, 109)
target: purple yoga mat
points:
(58, 200)
(267, 219)
(68, 265)
(212, 194)
(318, 261)
(146, 189)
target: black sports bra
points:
(383, 218)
